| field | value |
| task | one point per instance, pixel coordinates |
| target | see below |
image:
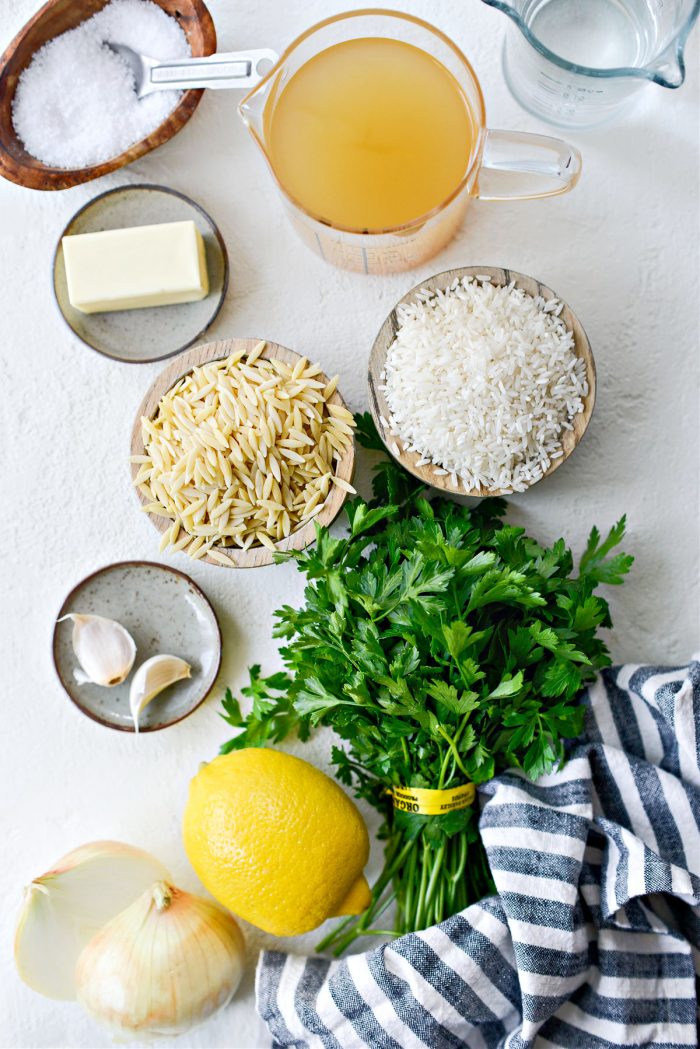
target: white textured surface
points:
(622, 250)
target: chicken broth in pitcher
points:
(370, 134)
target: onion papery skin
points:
(167, 963)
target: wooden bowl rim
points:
(34, 174)
(255, 556)
(224, 284)
(136, 564)
(441, 281)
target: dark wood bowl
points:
(54, 18)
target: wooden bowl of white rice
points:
(481, 381)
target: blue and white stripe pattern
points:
(593, 940)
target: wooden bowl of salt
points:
(54, 18)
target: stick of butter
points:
(126, 269)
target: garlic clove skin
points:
(64, 908)
(104, 649)
(168, 962)
(151, 678)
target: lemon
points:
(276, 841)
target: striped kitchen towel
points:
(593, 940)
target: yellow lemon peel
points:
(276, 841)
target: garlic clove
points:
(156, 674)
(64, 908)
(104, 649)
(167, 962)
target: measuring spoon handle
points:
(237, 69)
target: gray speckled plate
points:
(165, 612)
(155, 332)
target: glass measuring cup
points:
(576, 63)
(503, 165)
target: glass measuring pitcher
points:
(501, 165)
(577, 62)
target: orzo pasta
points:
(242, 452)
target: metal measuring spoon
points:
(241, 69)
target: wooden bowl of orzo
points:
(239, 448)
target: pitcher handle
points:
(536, 165)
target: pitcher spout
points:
(668, 69)
(250, 110)
(252, 107)
(512, 8)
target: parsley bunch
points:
(442, 646)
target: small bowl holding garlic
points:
(137, 646)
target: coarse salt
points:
(75, 103)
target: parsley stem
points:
(333, 935)
(435, 874)
(463, 725)
(374, 911)
(378, 911)
(440, 903)
(455, 752)
(410, 882)
(419, 921)
(458, 871)
(443, 769)
(404, 748)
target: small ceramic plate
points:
(166, 613)
(155, 332)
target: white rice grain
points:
(481, 380)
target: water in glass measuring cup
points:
(575, 62)
(601, 34)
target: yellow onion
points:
(64, 908)
(166, 963)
